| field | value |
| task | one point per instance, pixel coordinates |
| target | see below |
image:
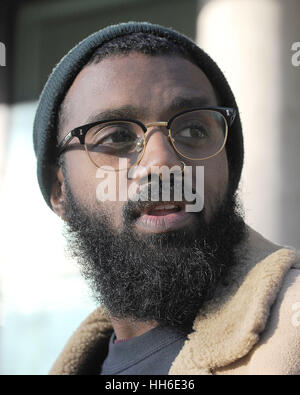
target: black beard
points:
(161, 277)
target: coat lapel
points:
(229, 326)
(87, 348)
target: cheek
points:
(87, 182)
(81, 177)
(216, 177)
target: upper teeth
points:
(165, 207)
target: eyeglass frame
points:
(80, 132)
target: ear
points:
(57, 197)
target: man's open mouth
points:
(164, 208)
(160, 216)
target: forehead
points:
(146, 83)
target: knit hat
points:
(63, 75)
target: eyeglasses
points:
(195, 134)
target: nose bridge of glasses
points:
(154, 124)
(152, 128)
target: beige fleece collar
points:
(226, 329)
(230, 325)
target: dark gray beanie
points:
(63, 75)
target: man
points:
(181, 291)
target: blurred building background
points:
(42, 297)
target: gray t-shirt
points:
(151, 353)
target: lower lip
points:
(163, 222)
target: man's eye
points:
(199, 132)
(116, 135)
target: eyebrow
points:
(131, 112)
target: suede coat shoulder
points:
(252, 325)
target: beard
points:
(164, 277)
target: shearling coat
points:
(252, 326)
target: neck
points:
(126, 329)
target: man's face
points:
(154, 88)
(139, 271)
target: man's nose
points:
(159, 151)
